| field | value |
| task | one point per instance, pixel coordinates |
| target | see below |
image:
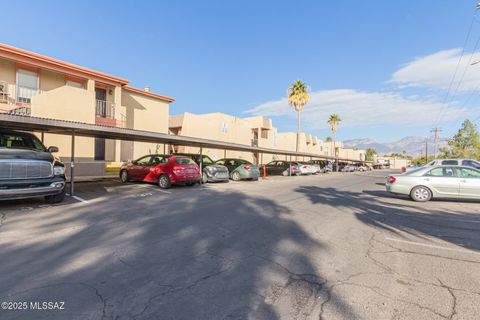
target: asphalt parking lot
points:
(319, 247)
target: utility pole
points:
(435, 132)
(426, 149)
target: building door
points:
(99, 149)
(101, 111)
(101, 102)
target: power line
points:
(452, 81)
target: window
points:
(207, 160)
(144, 160)
(22, 141)
(449, 162)
(159, 160)
(471, 163)
(222, 162)
(74, 84)
(469, 173)
(27, 85)
(224, 127)
(184, 161)
(441, 172)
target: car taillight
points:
(246, 168)
(304, 167)
(178, 169)
(294, 167)
(391, 179)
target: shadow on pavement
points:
(457, 226)
(219, 256)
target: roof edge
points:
(28, 57)
(148, 93)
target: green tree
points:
(334, 121)
(298, 97)
(370, 154)
(465, 143)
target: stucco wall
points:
(66, 103)
(144, 113)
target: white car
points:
(448, 162)
(306, 168)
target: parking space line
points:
(156, 189)
(79, 199)
(432, 246)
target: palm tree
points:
(298, 97)
(334, 121)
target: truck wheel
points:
(57, 197)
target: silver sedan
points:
(425, 183)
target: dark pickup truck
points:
(28, 169)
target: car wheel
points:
(204, 177)
(285, 173)
(124, 176)
(421, 194)
(56, 198)
(164, 182)
(236, 176)
(298, 174)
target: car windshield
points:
(207, 160)
(20, 141)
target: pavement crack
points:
(99, 295)
(454, 298)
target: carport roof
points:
(28, 123)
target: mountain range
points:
(412, 145)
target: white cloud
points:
(436, 71)
(362, 109)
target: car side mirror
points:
(52, 149)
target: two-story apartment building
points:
(36, 85)
(255, 131)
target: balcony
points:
(105, 115)
(16, 99)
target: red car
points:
(161, 169)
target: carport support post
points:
(72, 166)
(290, 165)
(201, 164)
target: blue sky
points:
(383, 66)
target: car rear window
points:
(184, 161)
(449, 162)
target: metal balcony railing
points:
(15, 94)
(105, 109)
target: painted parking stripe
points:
(155, 188)
(79, 199)
(432, 246)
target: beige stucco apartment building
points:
(254, 131)
(35, 85)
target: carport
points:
(74, 129)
